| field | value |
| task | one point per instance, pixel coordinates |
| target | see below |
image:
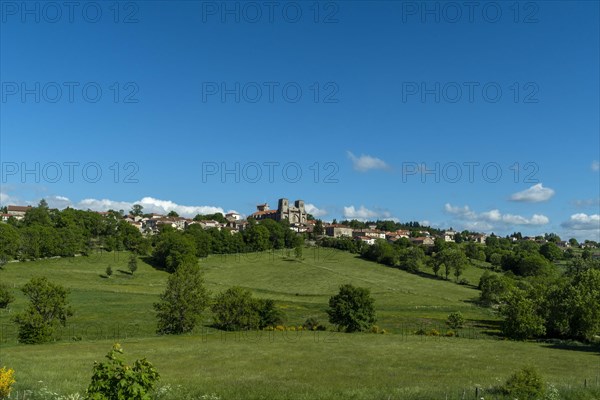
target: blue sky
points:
(200, 106)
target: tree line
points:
(45, 232)
(540, 290)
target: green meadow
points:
(283, 364)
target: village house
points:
(424, 240)
(449, 235)
(365, 239)
(479, 238)
(208, 224)
(395, 235)
(232, 216)
(18, 212)
(338, 230)
(373, 233)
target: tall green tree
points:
(39, 215)
(174, 249)
(48, 307)
(522, 319)
(182, 303)
(132, 264)
(318, 229)
(551, 251)
(10, 241)
(137, 210)
(452, 259)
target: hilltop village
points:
(299, 221)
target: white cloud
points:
(534, 194)
(582, 222)
(4, 198)
(488, 220)
(316, 212)
(460, 211)
(366, 162)
(59, 202)
(150, 204)
(363, 214)
(595, 166)
(587, 203)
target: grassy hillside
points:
(280, 364)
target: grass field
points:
(293, 365)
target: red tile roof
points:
(18, 208)
(264, 212)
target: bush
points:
(114, 380)
(267, 313)
(455, 320)
(352, 309)
(526, 384)
(6, 296)
(6, 381)
(235, 309)
(311, 323)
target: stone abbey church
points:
(295, 214)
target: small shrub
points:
(455, 320)
(450, 334)
(6, 381)
(433, 332)
(6, 296)
(526, 384)
(291, 328)
(311, 323)
(375, 329)
(114, 380)
(463, 281)
(280, 328)
(421, 331)
(109, 271)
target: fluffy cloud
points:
(582, 222)
(595, 166)
(59, 202)
(363, 214)
(534, 194)
(488, 220)
(587, 203)
(4, 199)
(150, 204)
(366, 162)
(316, 212)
